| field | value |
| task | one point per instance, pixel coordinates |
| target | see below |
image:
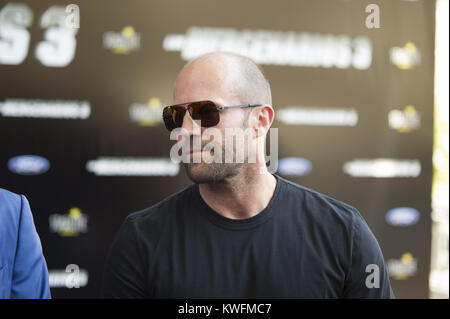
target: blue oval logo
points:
(402, 216)
(28, 165)
(294, 166)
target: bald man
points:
(239, 231)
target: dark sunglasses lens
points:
(206, 112)
(173, 116)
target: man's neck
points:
(242, 196)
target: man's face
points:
(203, 82)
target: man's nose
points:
(191, 127)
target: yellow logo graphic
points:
(128, 31)
(69, 225)
(404, 121)
(149, 114)
(406, 57)
(75, 213)
(403, 268)
(124, 42)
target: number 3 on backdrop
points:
(57, 49)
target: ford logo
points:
(402, 216)
(294, 166)
(28, 165)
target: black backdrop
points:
(126, 58)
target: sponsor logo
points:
(28, 165)
(317, 116)
(404, 121)
(402, 216)
(56, 109)
(382, 168)
(129, 166)
(294, 166)
(149, 114)
(402, 268)
(124, 42)
(406, 57)
(69, 225)
(275, 47)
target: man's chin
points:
(199, 173)
(211, 173)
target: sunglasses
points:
(207, 112)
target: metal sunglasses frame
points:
(219, 108)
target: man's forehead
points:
(212, 59)
(187, 94)
(203, 79)
(206, 70)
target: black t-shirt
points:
(302, 245)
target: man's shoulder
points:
(10, 205)
(10, 221)
(319, 205)
(8, 197)
(164, 208)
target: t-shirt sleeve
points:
(124, 272)
(368, 276)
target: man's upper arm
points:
(368, 276)
(124, 273)
(30, 275)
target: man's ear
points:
(264, 116)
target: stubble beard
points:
(203, 172)
(211, 172)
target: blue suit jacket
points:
(23, 270)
